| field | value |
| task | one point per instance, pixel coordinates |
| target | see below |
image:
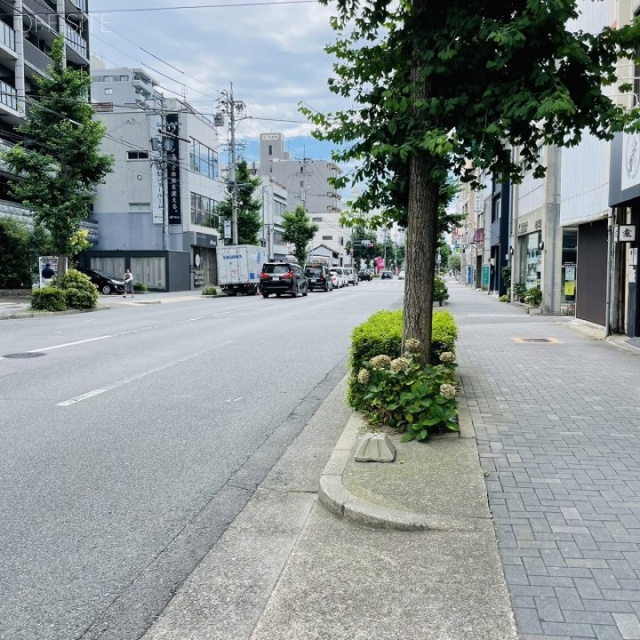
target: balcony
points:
(8, 39)
(50, 19)
(8, 95)
(76, 42)
(81, 5)
(39, 60)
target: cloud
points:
(273, 54)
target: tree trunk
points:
(422, 240)
(422, 216)
(63, 266)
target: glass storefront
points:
(569, 271)
(531, 260)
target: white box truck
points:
(239, 268)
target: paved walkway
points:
(557, 425)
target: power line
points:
(204, 6)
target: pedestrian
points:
(48, 272)
(128, 283)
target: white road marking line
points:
(69, 344)
(120, 383)
(192, 319)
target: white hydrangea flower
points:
(448, 391)
(399, 364)
(412, 345)
(381, 362)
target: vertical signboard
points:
(172, 154)
(157, 195)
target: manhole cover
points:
(538, 340)
(31, 354)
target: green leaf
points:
(407, 437)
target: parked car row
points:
(288, 278)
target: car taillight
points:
(289, 275)
(264, 276)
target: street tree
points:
(362, 245)
(299, 231)
(249, 208)
(20, 246)
(453, 87)
(59, 163)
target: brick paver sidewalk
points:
(558, 426)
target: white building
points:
(307, 184)
(157, 211)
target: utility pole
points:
(230, 106)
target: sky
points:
(271, 53)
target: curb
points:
(337, 499)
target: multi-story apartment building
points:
(307, 184)
(27, 31)
(124, 87)
(157, 210)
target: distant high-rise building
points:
(308, 184)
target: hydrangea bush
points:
(407, 396)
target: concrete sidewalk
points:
(18, 308)
(551, 418)
(391, 550)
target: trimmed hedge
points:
(382, 334)
(80, 292)
(48, 299)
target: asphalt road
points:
(131, 437)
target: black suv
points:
(319, 277)
(283, 277)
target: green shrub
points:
(140, 287)
(381, 333)
(533, 296)
(209, 291)
(440, 290)
(79, 298)
(409, 397)
(519, 291)
(48, 299)
(80, 292)
(504, 298)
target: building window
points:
(204, 211)
(137, 155)
(327, 237)
(124, 78)
(270, 150)
(108, 92)
(203, 160)
(316, 219)
(139, 207)
(107, 79)
(496, 208)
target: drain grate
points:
(31, 354)
(538, 340)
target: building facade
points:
(308, 184)
(27, 31)
(157, 210)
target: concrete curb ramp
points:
(337, 498)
